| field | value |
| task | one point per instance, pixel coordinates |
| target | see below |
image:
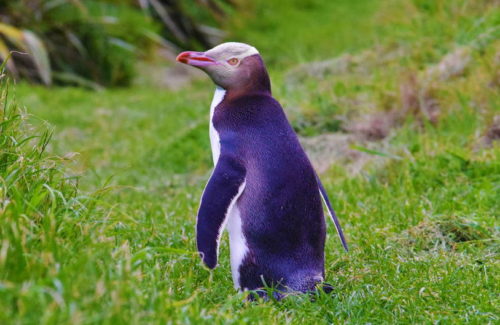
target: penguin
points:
(263, 188)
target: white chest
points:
(234, 225)
(214, 135)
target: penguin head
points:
(230, 65)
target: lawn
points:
(100, 227)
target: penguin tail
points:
(332, 214)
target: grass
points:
(97, 224)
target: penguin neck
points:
(258, 82)
(251, 89)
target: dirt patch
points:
(325, 150)
(451, 65)
(495, 78)
(415, 99)
(417, 93)
(320, 69)
(173, 77)
(443, 234)
(168, 74)
(492, 133)
(361, 63)
(373, 127)
(419, 99)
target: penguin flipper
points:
(223, 187)
(332, 214)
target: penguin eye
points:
(233, 61)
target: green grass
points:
(108, 235)
(305, 30)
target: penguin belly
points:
(237, 243)
(275, 221)
(280, 248)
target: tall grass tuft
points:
(39, 203)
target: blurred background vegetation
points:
(98, 41)
(104, 153)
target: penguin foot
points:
(326, 287)
(265, 295)
(274, 294)
(321, 289)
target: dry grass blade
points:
(5, 55)
(27, 41)
(40, 56)
(165, 17)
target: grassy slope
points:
(132, 259)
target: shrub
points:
(39, 203)
(97, 42)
